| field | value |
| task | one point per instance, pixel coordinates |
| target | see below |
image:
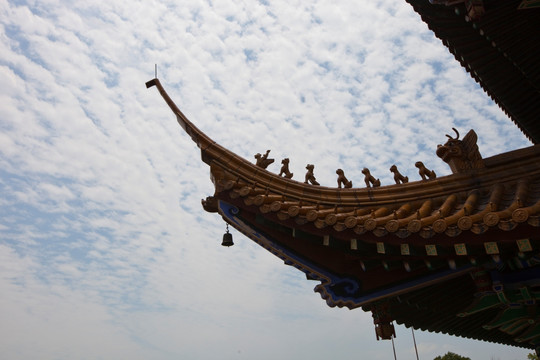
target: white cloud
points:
(105, 249)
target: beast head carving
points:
(461, 155)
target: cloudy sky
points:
(105, 250)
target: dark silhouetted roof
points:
(500, 50)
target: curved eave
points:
(334, 235)
(438, 203)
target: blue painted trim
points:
(336, 290)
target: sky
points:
(105, 249)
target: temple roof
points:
(499, 46)
(497, 199)
(458, 254)
(405, 246)
(504, 193)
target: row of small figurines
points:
(263, 161)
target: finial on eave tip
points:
(154, 80)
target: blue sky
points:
(105, 250)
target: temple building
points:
(458, 254)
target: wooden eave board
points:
(434, 309)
